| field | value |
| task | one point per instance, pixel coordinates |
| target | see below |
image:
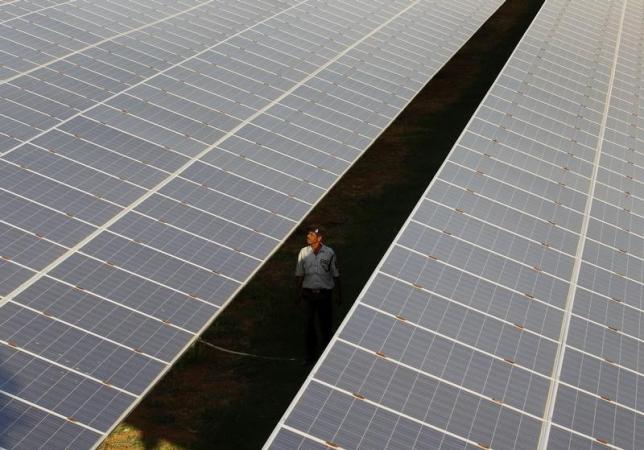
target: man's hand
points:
(338, 291)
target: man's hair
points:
(317, 229)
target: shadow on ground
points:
(212, 399)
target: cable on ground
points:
(250, 355)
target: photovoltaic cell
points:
(507, 313)
(154, 154)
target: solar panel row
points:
(507, 312)
(150, 168)
(601, 369)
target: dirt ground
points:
(212, 399)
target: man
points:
(316, 276)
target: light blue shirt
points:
(318, 270)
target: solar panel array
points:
(509, 311)
(153, 154)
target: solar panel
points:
(507, 313)
(154, 154)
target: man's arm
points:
(336, 279)
(338, 290)
(299, 278)
(298, 289)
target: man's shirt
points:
(318, 270)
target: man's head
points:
(314, 235)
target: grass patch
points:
(212, 399)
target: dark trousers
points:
(318, 307)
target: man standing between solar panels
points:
(316, 276)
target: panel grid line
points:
(183, 61)
(68, 369)
(59, 280)
(478, 194)
(398, 413)
(441, 261)
(489, 250)
(103, 338)
(48, 411)
(158, 193)
(516, 364)
(478, 219)
(134, 30)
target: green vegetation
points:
(212, 399)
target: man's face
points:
(312, 238)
